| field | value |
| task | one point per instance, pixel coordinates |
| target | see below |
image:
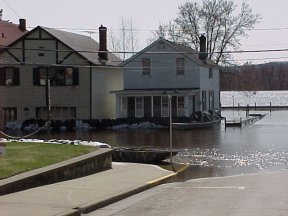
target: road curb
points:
(72, 212)
(148, 185)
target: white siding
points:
(78, 96)
(207, 84)
(104, 81)
(163, 72)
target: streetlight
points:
(170, 127)
(170, 124)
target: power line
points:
(146, 30)
(134, 52)
(269, 29)
(12, 9)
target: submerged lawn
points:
(21, 157)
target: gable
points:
(59, 45)
(163, 46)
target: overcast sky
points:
(146, 16)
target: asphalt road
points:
(264, 194)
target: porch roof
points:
(157, 92)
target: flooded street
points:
(258, 147)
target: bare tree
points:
(218, 20)
(124, 41)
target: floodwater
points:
(258, 147)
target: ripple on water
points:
(247, 162)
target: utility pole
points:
(48, 101)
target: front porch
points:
(155, 103)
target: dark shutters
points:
(76, 76)
(131, 107)
(16, 76)
(147, 107)
(36, 77)
(157, 106)
(2, 76)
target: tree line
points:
(261, 77)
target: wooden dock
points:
(242, 121)
(248, 107)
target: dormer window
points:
(146, 66)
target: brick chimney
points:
(22, 25)
(203, 53)
(103, 55)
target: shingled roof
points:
(83, 45)
(187, 51)
(9, 32)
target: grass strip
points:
(24, 156)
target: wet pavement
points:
(262, 194)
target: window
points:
(210, 73)
(165, 106)
(59, 76)
(180, 66)
(180, 106)
(139, 106)
(10, 114)
(146, 66)
(180, 102)
(9, 76)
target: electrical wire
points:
(12, 9)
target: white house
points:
(164, 68)
(81, 73)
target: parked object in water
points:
(141, 155)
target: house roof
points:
(83, 45)
(187, 51)
(9, 32)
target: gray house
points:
(164, 68)
(81, 73)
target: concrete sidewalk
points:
(71, 198)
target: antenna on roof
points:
(90, 33)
